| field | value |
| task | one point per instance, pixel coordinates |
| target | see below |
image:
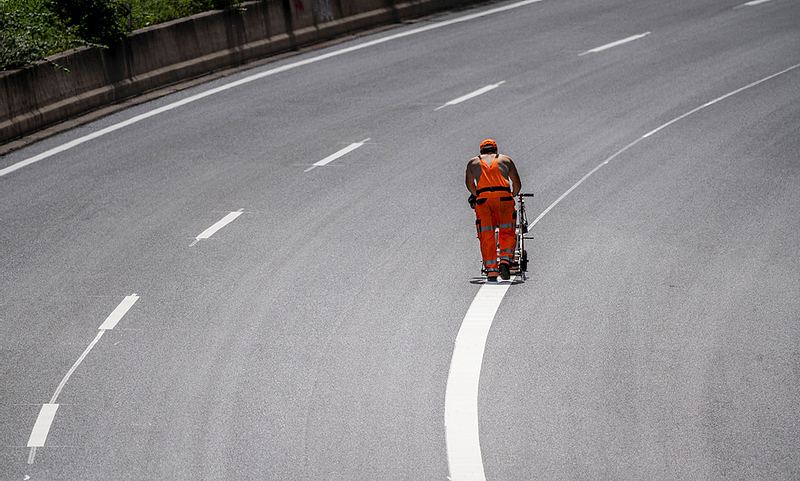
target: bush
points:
(30, 32)
(96, 21)
(150, 12)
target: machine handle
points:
(526, 195)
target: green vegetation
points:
(144, 13)
(33, 29)
(95, 21)
(29, 32)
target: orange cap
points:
(488, 144)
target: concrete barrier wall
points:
(79, 81)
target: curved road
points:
(190, 297)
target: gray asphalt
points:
(657, 337)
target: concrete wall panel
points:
(42, 94)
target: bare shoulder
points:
(506, 159)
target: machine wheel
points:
(523, 262)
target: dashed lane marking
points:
(42, 426)
(614, 44)
(217, 226)
(115, 316)
(753, 3)
(470, 95)
(258, 76)
(327, 160)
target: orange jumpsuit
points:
(495, 208)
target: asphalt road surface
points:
(190, 297)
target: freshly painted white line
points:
(658, 129)
(110, 322)
(218, 225)
(334, 156)
(75, 366)
(576, 184)
(32, 453)
(470, 95)
(42, 426)
(754, 2)
(48, 411)
(461, 396)
(260, 75)
(614, 44)
(123, 307)
(718, 99)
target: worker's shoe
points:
(505, 272)
(491, 279)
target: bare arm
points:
(514, 176)
(470, 180)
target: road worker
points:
(492, 197)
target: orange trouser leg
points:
(491, 214)
(507, 233)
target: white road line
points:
(327, 160)
(61, 385)
(718, 99)
(754, 2)
(260, 75)
(658, 129)
(576, 184)
(461, 396)
(75, 366)
(120, 311)
(614, 44)
(47, 413)
(42, 426)
(470, 95)
(217, 226)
